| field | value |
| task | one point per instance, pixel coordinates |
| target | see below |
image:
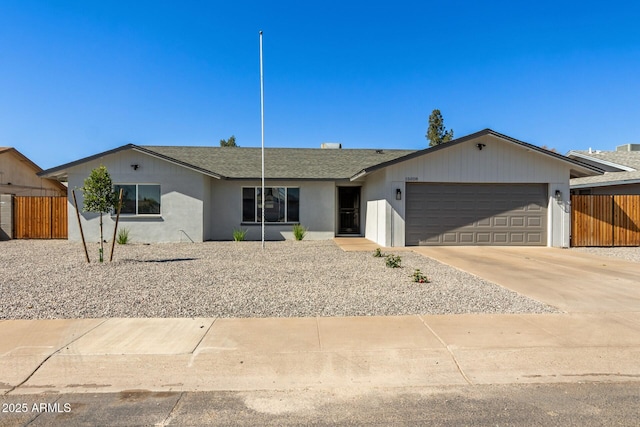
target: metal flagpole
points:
(262, 197)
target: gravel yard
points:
(50, 279)
(629, 254)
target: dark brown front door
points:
(349, 210)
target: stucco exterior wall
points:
(6, 217)
(317, 210)
(181, 206)
(19, 178)
(499, 161)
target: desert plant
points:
(299, 231)
(378, 253)
(393, 261)
(123, 236)
(418, 277)
(239, 234)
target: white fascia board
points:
(359, 175)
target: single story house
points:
(18, 176)
(621, 171)
(482, 189)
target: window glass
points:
(128, 198)
(149, 199)
(139, 199)
(281, 204)
(249, 204)
(293, 204)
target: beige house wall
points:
(18, 177)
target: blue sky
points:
(81, 77)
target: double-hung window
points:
(281, 204)
(139, 199)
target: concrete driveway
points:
(572, 281)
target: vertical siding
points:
(498, 161)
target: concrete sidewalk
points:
(598, 339)
(109, 355)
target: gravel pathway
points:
(50, 279)
(629, 254)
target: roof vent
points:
(628, 147)
(379, 151)
(330, 145)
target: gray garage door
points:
(476, 214)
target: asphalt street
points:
(569, 404)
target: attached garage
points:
(482, 189)
(476, 214)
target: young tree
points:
(436, 133)
(231, 142)
(99, 196)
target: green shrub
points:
(123, 236)
(393, 261)
(418, 277)
(239, 234)
(299, 231)
(378, 253)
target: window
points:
(282, 204)
(139, 199)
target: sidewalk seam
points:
(318, 333)
(453, 356)
(51, 355)
(204, 335)
(169, 418)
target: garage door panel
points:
(501, 238)
(476, 214)
(467, 238)
(500, 221)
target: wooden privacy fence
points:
(40, 217)
(605, 220)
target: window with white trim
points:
(139, 199)
(282, 204)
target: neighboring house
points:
(18, 176)
(622, 171)
(481, 189)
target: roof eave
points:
(601, 161)
(61, 172)
(606, 183)
(578, 167)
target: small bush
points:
(418, 277)
(393, 261)
(239, 234)
(378, 253)
(123, 236)
(299, 231)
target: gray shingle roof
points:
(625, 158)
(283, 163)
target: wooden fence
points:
(40, 217)
(605, 220)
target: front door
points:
(348, 210)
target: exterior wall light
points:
(135, 167)
(558, 195)
(398, 194)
